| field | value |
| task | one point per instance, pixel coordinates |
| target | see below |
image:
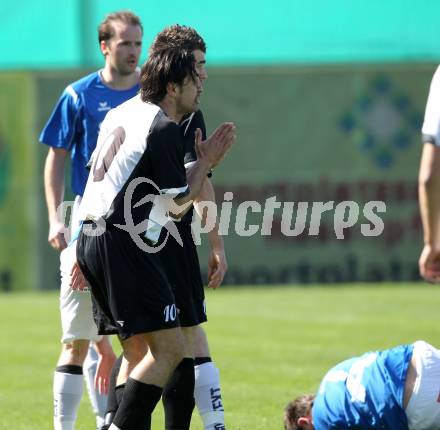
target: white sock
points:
(100, 421)
(67, 393)
(208, 397)
(98, 401)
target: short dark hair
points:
(178, 36)
(163, 67)
(300, 407)
(106, 29)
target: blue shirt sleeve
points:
(62, 126)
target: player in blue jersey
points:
(394, 389)
(73, 129)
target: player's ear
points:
(103, 47)
(171, 88)
(304, 421)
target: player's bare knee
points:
(75, 352)
(177, 350)
(134, 355)
(169, 345)
(190, 336)
(135, 349)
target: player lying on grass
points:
(395, 389)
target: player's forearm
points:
(215, 240)
(54, 181)
(207, 194)
(429, 193)
(209, 218)
(430, 212)
(195, 176)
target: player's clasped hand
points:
(77, 280)
(215, 147)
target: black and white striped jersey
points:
(138, 167)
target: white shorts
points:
(423, 410)
(75, 306)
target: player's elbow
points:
(429, 172)
(180, 208)
(429, 179)
(177, 215)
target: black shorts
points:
(130, 291)
(181, 265)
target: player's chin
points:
(128, 69)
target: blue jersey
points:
(364, 392)
(75, 121)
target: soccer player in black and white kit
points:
(187, 279)
(181, 262)
(141, 151)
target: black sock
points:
(201, 360)
(112, 399)
(178, 396)
(137, 405)
(119, 392)
(70, 368)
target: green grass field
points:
(269, 343)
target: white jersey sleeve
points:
(431, 123)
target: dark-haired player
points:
(140, 155)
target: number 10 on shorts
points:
(170, 312)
